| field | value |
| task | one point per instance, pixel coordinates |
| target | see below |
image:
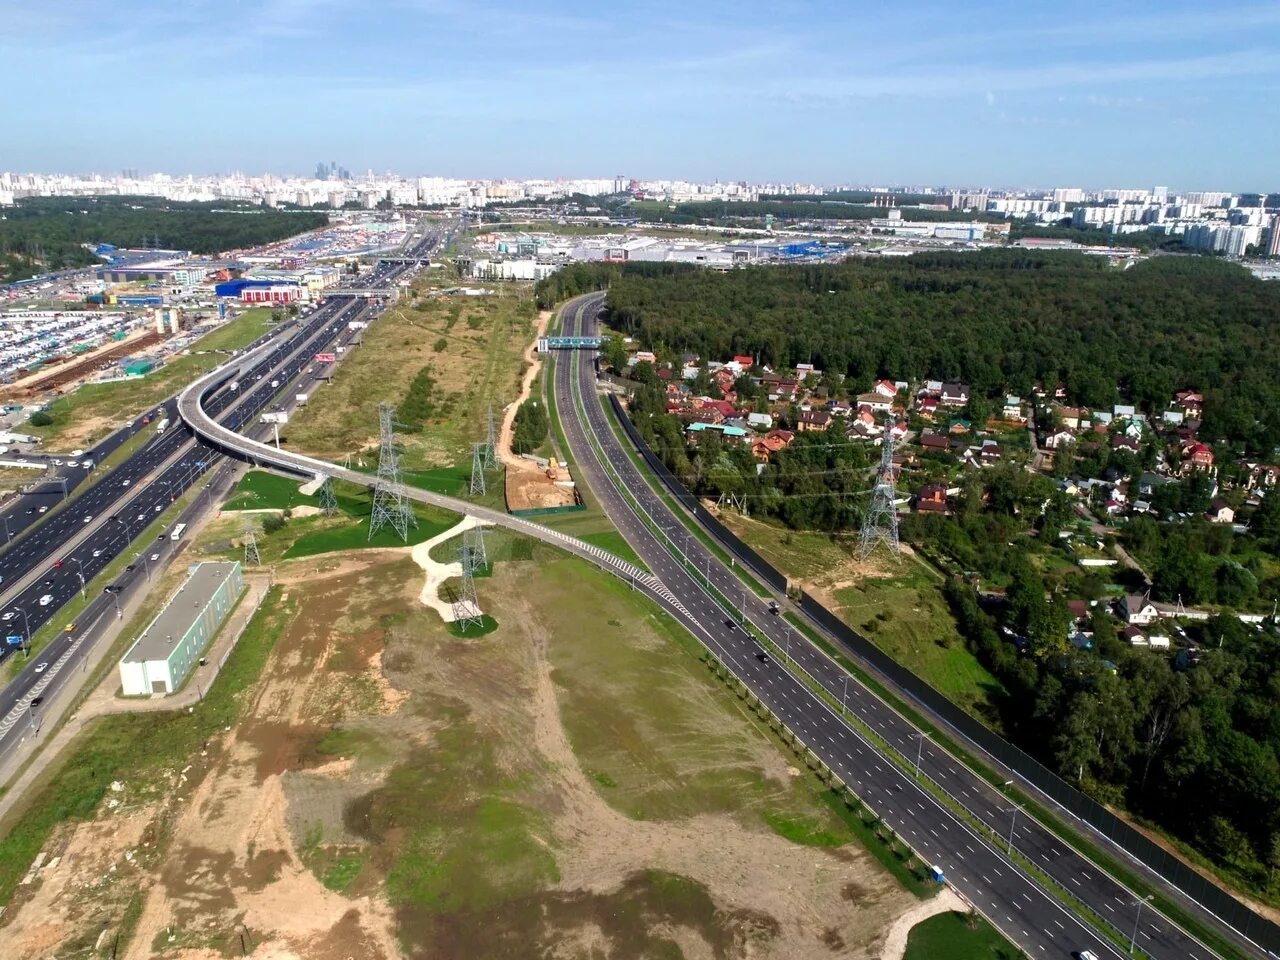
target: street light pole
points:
(26, 627)
(1133, 941)
(844, 693)
(920, 739)
(1013, 819)
(80, 573)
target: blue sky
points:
(1015, 92)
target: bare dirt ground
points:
(240, 852)
(529, 486)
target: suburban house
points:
(1197, 456)
(876, 401)
(934, 441)
(813, 420)
(1220, 512)
(886, 388)
(1059, 438)
(954, 394)
(932, 498)
(1012, 408)
(772, 442)
(1137, 610)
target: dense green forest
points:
(1190, 743)
(39, 234)
(1000, 320)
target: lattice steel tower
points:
(390, 504)
(466, 608)
(252, 558)
(880, 525)
(477, 470)
(474, 556)
(328, 499)
(491, 445)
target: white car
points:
(46, 600)
(97, 553)
(1087, 955)
(41, 667)
(44, 509)
(126, 482)
(155, 557)
(159, 507)
(72, 463)
(10, 615)
(89, 518)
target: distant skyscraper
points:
(1273, 243)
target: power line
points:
(390, 504)
(880, 525)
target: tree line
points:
(1000, 320)
(40, 234)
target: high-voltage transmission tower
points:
(390, 504)
(880, 525)
(252, 558)
(477, 469)
(474, 557)
(466, 608)
(491, 445)
(328, 499)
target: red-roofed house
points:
(886, 388)
(932, 498)
(1196, 456)
(743, 362)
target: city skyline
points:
(1001, 95)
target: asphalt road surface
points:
(57, 558)
(978, 867)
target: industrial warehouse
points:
(160, 660)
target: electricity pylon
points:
(474, 555)
(252, 558)
(880, 525)
(390, 504)
(328, 499)
(477, 470)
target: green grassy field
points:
(139, 746)
(481, 341)
(907, 617)
(954, 936)
(91, 412)
(905, 614)
(645, 719)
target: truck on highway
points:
(163, 425)
(301, 399)
(178, 530)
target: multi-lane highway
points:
(979, 868)
(45, 568)
(854, 739)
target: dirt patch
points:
(327, 814)
(530, 487)
(895, 942)
(533, 363)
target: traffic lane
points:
(1068, 869)
(61, 587)
(1111, 900)
(787, 698)
(132, 470)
